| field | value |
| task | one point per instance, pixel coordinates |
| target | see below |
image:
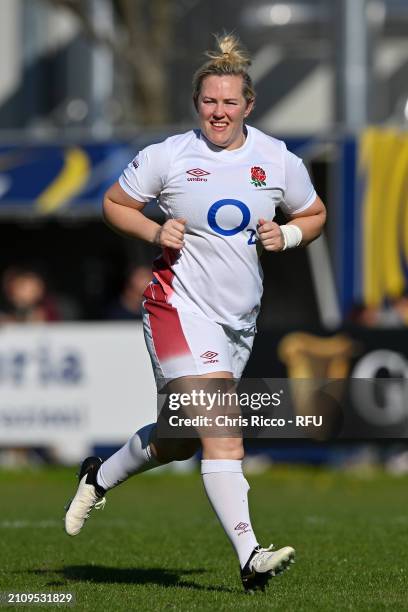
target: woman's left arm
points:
(310, 222)
(274, 237)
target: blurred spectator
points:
(128, 305)
(400, 306)
(393, 313)
(365, 316)
(26, 297)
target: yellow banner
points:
(383, 167)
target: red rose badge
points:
(258, 176)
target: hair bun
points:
(229, 51)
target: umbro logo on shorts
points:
(210, 356)
(198, 175)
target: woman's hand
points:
(270, 235)
(171, 234)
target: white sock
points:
(133, 458)
(227, 491)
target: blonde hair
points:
(229, 58)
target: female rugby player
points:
(218, 187)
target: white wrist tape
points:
(292, 236)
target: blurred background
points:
(84, 85)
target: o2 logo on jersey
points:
(246, 216)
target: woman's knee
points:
(166, 450)
(223, 448)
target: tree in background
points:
(141, 39)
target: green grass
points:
(158, 546)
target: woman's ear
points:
(250, 106)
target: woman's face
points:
(222, 110)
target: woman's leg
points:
(138, 455)
(221, 465)
(227, 488)
(223, 479)
(142, 452)
(134, 457)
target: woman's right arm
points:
(124, 215)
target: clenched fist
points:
(270, 235)
(171, 234)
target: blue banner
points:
(49, 179)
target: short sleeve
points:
(144, 178)
(299, 193)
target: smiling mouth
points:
(219, 125)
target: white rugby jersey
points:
(222, 194)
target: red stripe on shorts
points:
(148, 292)
(168, 337)
(163, 269)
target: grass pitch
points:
(158, 546)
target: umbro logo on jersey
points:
(198, 172)
(210, 356)
(198, 175)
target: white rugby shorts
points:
(182, 343)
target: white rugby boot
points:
(263, 564)
(89, 495)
